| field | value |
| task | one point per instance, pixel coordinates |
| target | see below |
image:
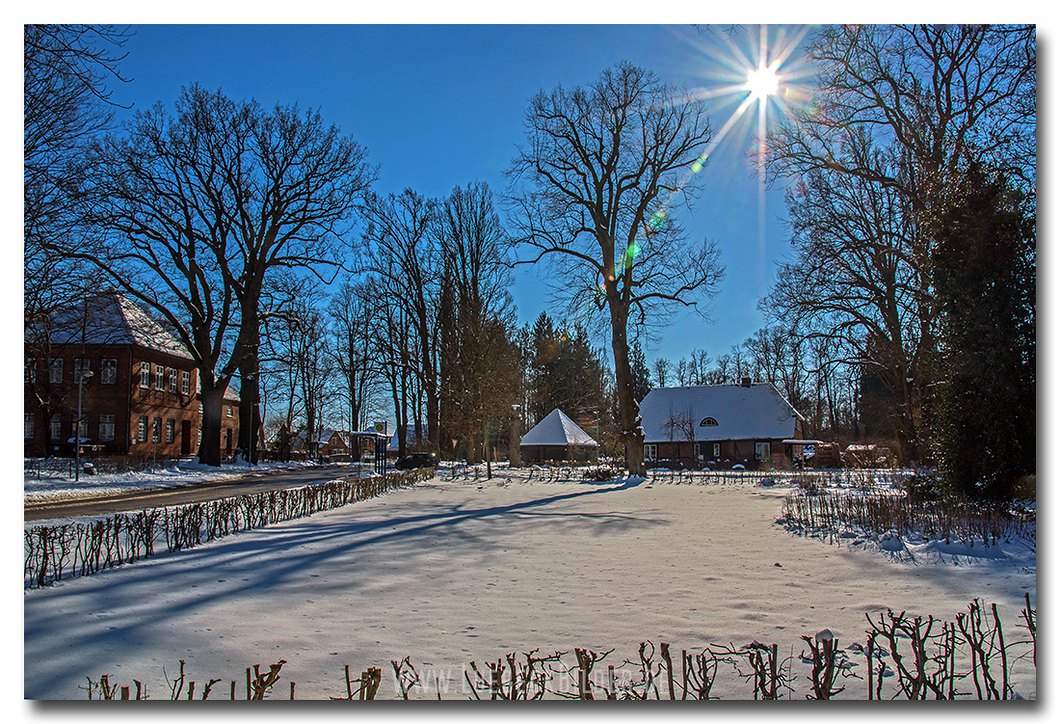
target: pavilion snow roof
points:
(557, 429)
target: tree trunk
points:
(249, 373)
(631, 433)
(213, 391)
(249, 410)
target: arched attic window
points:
(708, 422)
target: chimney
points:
(745, 382)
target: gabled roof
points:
(109, 319)
(557, 429)
(741, 413)
(325, 436)
(410, 437)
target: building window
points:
(145, 375)
(55, 429)
(55, 370)
(80, 431)
(651, 451)
(185, 382)
(156, 430)
(708, 422)
(27, 425)
(31, 369)
(761, 451)
(160, 377)
(108, 372)
(717, 450)
(141, 429)
(171, 429)
(228, 410)
(81, 365)
(172, 380)
(106, 428)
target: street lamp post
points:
(81, 380)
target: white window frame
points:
(228, 410)
(106, 428)
(762, 450)
(651, 451)
(185, 382)
(171, 429)
(55, 370)
(81, 365)
(173, 380)
(717, 450)
(108, 371)
(27, 425)
(55, 429)
(160, 377)
(145, 375)
(156, 430)
(141, 428)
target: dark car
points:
(416, 460)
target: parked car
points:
(416, 460)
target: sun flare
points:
(763, 82)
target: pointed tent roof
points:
(557, 429)
(738, 412)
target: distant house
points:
(557, 437)
(328, 443)
(140, 398)
(720, 425)
(412, 442)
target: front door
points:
(185, 437)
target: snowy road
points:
(108, 503)
(448, 572)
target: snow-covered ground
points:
(170, 475)
(458, 570)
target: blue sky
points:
(440, 106)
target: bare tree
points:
(406, 266)
(67, 75)
(351, 328)
(602, 165)
(478, 359)
(661, 367)
(197, 211)
(899, 113)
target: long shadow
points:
(273, 564)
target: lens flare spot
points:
(658, 219)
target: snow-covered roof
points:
(740, 413)
(410, 437)
(557, 429)
(109, 318)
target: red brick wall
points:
(124, 400)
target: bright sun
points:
(762, 82)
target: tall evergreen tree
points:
(984, 274)
(564, 372)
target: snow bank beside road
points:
(183, 473)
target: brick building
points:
(140, 399)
